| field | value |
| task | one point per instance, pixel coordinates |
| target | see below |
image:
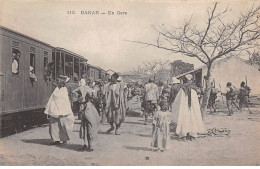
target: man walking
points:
(150, 99)
(113, 104)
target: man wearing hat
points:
(114, 104)
(59, 110)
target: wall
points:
(235, 71)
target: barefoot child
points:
(89, 124)
(161, 126)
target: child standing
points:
(89, 124)
(161, 121)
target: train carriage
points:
(28, 68)
(69, 64)
(94, 72)
(23, 84)
(103, 74)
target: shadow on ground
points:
(145, 135)
(48, 142)
(130, 122)
(133, 113)
(139, 148)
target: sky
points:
(102, 39)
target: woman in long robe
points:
(89, 124)
(60, 112)
(186, 112)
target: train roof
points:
(69, 52)
(44, 43)
(94, 66)
(20, 34)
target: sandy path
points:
(132, 147)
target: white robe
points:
(59, 104)
(188, 120)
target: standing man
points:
(229, 97)
(212, 98)
(60, 112)
(151, 98)
(243, 96)
(114, 104)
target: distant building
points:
(130, 77)
(234, 70)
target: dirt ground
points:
(132, 147)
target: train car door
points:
(43, 79)
(13, 52)
(31, 70)
(2, 77)
(2, 94)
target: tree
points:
(179, 67)
(158, 70)
(254, 58)
(220, 38)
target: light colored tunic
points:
(189, 120)
(59, 105)
(151, 92)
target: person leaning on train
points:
(32, 75)
(15, 63)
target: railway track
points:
(21, 121)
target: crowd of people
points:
(95, 99)
(176, 104)
(232, 95)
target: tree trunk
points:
(206, 95)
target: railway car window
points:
(46, 72)
(45, 59)
(32, 62)
(59, 68)
(76, 69)
(54, 66)
(15, 61)
(45, 62)
(68, 66)
(62, 63)
(82, 67)
(32, 67)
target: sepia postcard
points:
(129, 83)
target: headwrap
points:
(175, 80)
(63, 78)
(189, 76)
(82, 82)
